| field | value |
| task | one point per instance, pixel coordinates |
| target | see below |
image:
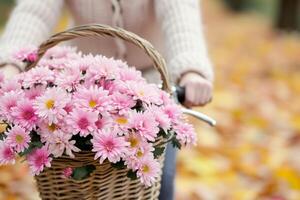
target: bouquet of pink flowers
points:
(73, 102)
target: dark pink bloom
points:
(67, 172)
(32, 57)
(38, 160)
(82, 121)
(7, 155)
(144, 124)
(185, 133)
(25, 114)
(108, 145)
(18, 138)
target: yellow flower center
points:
(92, 103)
(52, 127)
(58, 141)
(19, 139)
(141, 93)
(2, 127)
(139, 154)
(121, 120)
(133, 142)
(49, 104)
(146, 168)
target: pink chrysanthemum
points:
(165, 97)
(56, 65)
(47, 130)
(26, 54)
(38, 76)
(67, 172)
(32, 57)
(102, 67)
(82, 121)
(130, 74)
(120, 87)
(122, 103)
(104, 122)
(84, 63)
(144, 150)
(58, 58)
(8, 101)
(93, 99)
(144, 124)
(69, 78)
(147, 93)
(108, 65)
(173, 111)
(34, 92)
(108, 145)
(50, 106)
(106, 84)
(138, 151)
(18, 139)
(135, 141)
(120, 65)
(60, 142)
(121, 122)
(69, 107)
(93, 74)
(7, 154)
(39, 159)
(148, 171)
(10, 85)
(160, 117)
(24, 114)
(61, 52)
(185, 133)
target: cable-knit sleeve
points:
(184, 40)
(30, 23)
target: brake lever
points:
(179, 95)
(200, 116)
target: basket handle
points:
(104, 30)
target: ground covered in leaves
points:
(253, 153)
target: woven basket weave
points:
(106, 182)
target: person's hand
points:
(9, 71)
(198, 90)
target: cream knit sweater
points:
(172, 26)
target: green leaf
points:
(138, 106)
(2, 136)
(80, 173)
(83, 143)
(162, 133)
(32, 146)
(37, 144)
(119, 165)
(35, 137)
(176, 143)
(132, 175)
(158, 151)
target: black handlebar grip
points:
(180, 92)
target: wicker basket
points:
(106, 182)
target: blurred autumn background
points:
(254, 152)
